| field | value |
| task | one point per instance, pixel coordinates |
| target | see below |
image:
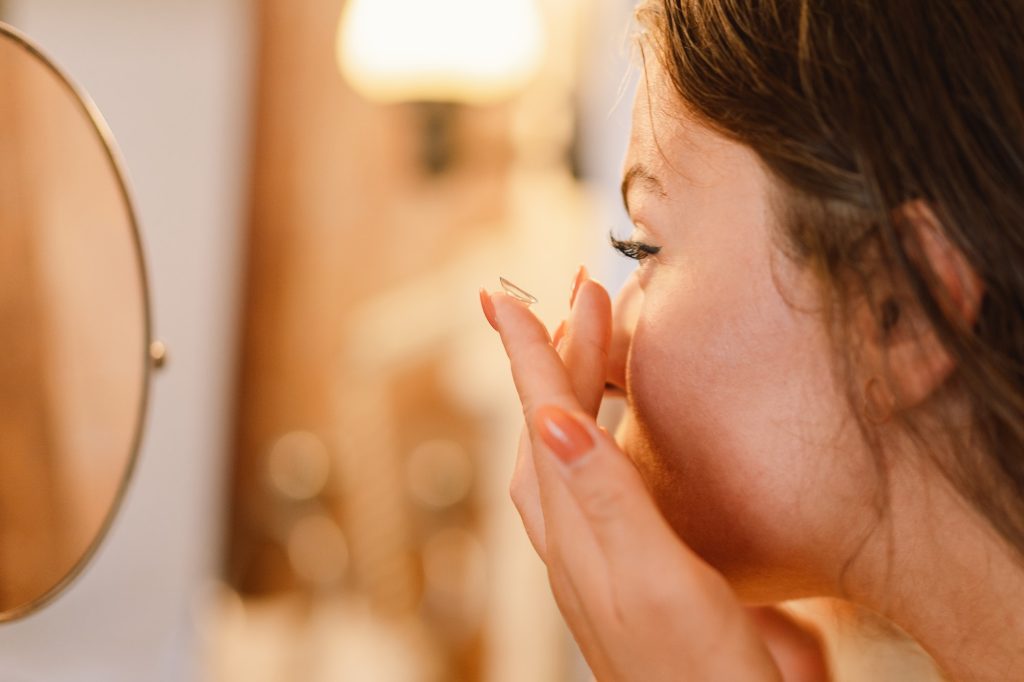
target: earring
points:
(878, 401)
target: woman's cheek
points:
(730, 422)
(682, 432)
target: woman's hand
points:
(641, 605)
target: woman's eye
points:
(633, 249)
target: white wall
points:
(609, 79)
(172, 78)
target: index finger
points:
(541, 380)
(537, 370)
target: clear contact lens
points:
(517, 293)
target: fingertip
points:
(500, 299)
(502, 305)
(594, 309)
(582, 275)
(597, 293)
(487, 304)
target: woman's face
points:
(734, 417)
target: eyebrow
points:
(640, 172)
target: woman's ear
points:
(959, 289)
(916, 361)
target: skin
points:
(738, 471)
(727, 367)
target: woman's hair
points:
(857, 107)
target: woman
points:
(821, 350)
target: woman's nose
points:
(625, 311)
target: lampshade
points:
(469, 51)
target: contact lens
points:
(517, 293)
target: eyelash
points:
(635, 250)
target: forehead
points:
(671, 141)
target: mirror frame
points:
(152, 352)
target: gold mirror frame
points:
(153, 353)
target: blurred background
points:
(322, 187)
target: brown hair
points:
(856, 107)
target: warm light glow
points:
(472, 51)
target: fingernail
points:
(581, 275)
(560, 431)
(488, 306)
(559, 333)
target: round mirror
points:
(75, 352)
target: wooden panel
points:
(362, 338)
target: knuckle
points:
(603, 503)
(647, 601)
(522, 488)
(661, 597)
(517, 490)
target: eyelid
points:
(630, 248)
